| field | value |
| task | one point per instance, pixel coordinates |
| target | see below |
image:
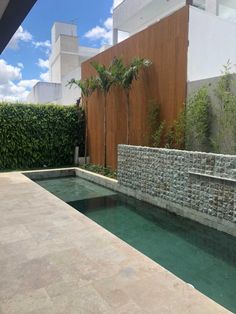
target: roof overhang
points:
(133, 16)
(12, 14)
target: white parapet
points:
(64, 64)
(211, 44)
(133, 16)
(45, 92)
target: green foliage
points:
(105, 171)
(198, 120)
(87, 86)
(156, 126)
(163, 136)
(104, 80)
(124, 75)
(175, 135)
(35, 136)
(158, 134)
(224, 137)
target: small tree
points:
(197, 120)
(104, 82)
(125, 75)
(87, 87)
(224, 138)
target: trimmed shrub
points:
(36, 136)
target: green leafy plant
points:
(105, 171)
(87, 87)
(156, 126)
(104, 81)
(36, 136)
(124, 75)
(198, 120)
(224, 135)
(175, 135)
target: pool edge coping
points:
(100, 177)
(113, 184)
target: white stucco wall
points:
(64, 57)
(211, 44)
(70, 95)
(64, 64)
(60, 28)
(134, 15)
(44, 92)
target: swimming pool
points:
(197, 254)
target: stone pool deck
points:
(55, 260)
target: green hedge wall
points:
(35, 136)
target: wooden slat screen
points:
(165, 44)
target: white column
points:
(212, 6)
(115, 36)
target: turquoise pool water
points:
(199, 255)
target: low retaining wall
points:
(196, 185)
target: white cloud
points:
(20, 35)
(12, 87)
(43, 44)
(45, 76)
(101, 33)
(20, 65)
(108, 23)
(8, 72)
(43, 64)
(27, 83)
(115, 4)
(12, 91)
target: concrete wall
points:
(196, 185)
(44, 92)
(64, 64)
(133, 16)
(60, 28)
(64, 58)
(211, 44)
(70, 95)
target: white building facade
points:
(64, 64)
(212, 33)
(212, 29)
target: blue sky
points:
(25, 60)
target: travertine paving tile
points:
(130, 308)
(26, 303)
(83, 300)
(54, 260)
(13, 233)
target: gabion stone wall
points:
(202, 182)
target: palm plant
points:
(87, 87)
(125, 75)
(104, 82)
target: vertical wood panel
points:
(165, 44)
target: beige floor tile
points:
(18, 277)
(85, 300)
(26, 303)
(131, 308)
(54, 260)
(14, 233)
